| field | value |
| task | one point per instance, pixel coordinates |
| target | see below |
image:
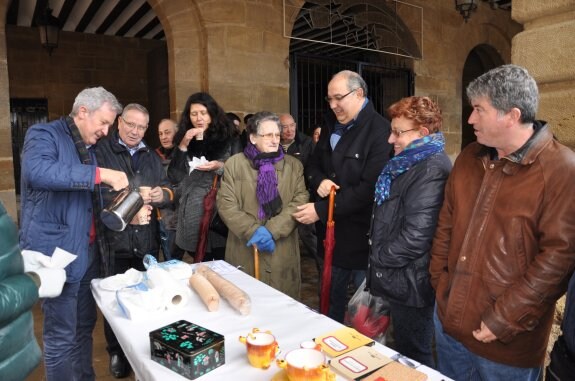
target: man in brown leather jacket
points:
(504, 247)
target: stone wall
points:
(81, 60)
(247, 55)
(233, 49)
(446, 45)
(236, 50)
(547, 49)
(7, 194)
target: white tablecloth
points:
(290, 321)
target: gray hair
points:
(172, 123)
(258, 118)
(137, 107)
(354, 81)
(507, 87)
(93, 98)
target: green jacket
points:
(238, 208)
(19, 351)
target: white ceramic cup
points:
(145, 193)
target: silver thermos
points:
(118, 214)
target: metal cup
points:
(118, 214)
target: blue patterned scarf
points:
(267, 193)
(415, 152)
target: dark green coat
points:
(19, 351)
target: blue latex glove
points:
(268, 246)
(263, 239)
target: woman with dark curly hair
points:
(203, 131)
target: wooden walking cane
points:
(256, 263)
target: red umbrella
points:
(209, 201)
(328, 245)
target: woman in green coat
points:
(260, 190)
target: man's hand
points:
(143, 216)
(306, 213)
(157, 194)
(325, 187)
(484, 334)
(116, 179)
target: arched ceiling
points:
(123, 18)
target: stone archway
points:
(186, 42)
(480, 59)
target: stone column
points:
(547, 49)
(7, 189)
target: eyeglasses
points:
(398, 133)
(337, 98)
(132, 125)
(270, 136)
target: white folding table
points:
(290, 321)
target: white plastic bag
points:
(367, 313)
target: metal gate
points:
(23, 114)
(310, 75)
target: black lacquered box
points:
(188, 349)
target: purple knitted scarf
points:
(267, 193)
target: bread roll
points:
(237, 298)
(206, 291)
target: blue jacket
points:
(19, 351)
(56, 195)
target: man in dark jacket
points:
(124, 150)
(167, 130)
(350, 154)
(294, 142)
(59, 179)
(503, 248)
(300, 146)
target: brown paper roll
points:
(206, 291)
(237, 298)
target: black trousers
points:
(562, 364)
(413, 332)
